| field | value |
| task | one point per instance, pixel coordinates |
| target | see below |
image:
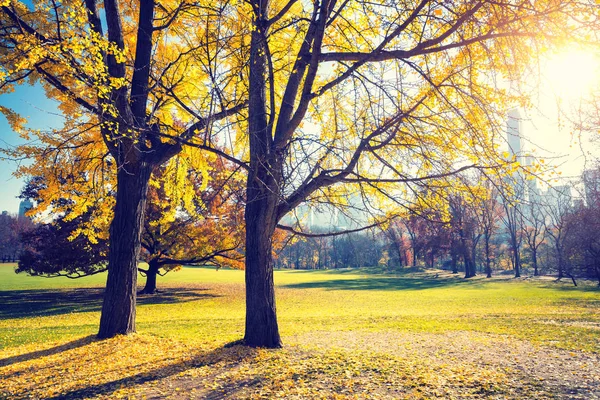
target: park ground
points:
(346, 334)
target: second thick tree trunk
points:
(118, 308)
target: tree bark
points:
(414, 258)
(262, 196)
(118, 308)
(151, 274)
(261, 318)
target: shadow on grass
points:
(232, 356)
(28, 303)
(48, 352)
(417, 279)
(373, 284)
(585, 285)
(378, 282)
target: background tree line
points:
(541, 235)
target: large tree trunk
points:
(474, 257)
(118, 308)
(516, 259)
(262, 196)
(261, 318)
(534, 261)
(151, 274)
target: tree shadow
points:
(175, 295)
(29, 303)
(84, 341)
(232, 355)
(565, 285)
(386, 283)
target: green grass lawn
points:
(401, 323)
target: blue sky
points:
(30, 102)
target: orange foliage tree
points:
(129, 75)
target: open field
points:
(347, 334)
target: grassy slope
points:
(322, 310)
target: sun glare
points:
(573, 74)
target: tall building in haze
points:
(24, 206)
(514, 140)
(514, 134)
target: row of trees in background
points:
(540, 235)
(479, 238)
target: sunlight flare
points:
(573, 73)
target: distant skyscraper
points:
(24, 206)
(514, 133)
(514, 139)
(560, 198)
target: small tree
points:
(395, 233)
(534, 230)
(512, 198)
(557, 207)
(51, 250)
(464, 225)
(489, 211)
